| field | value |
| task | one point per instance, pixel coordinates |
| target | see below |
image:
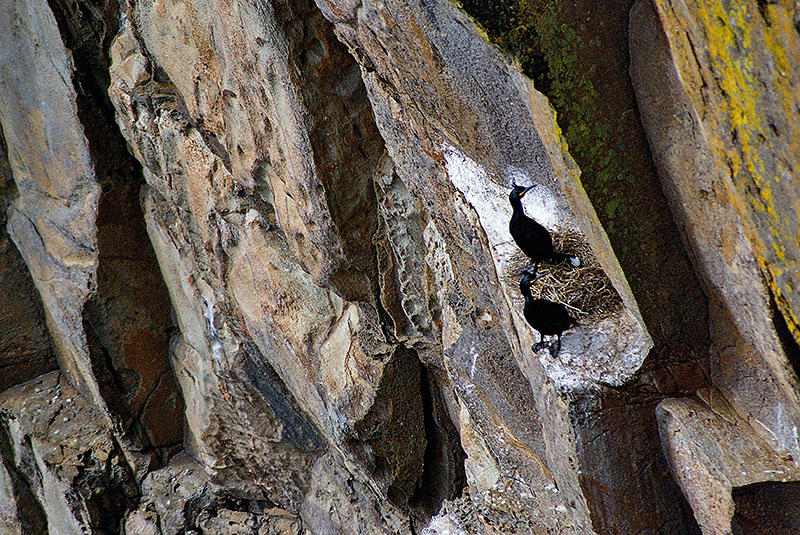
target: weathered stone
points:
(25, 349)
(441, 131)
(443, 525)
(280, 522)
(716, 117)
(52, 219)
(127, 316)
(180, 498)
(314, 87)
(107, 308)
(166, 491)
(10, 519)
(329, 274)
(256, 238)
(68, 465)
(741, 88)
(404, 289)
(142, 522)
(712, 451)
(339, 504)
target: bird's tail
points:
(574, 261)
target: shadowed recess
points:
(443, 476)
(766, 509)
(128, 317)
(298, 429)
(345, 142)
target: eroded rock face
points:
(51, 220)
(458, 136)
(712, 452)
(69, 472)
(247, 265)
(272, 248)
(25, 350)
(714, 84)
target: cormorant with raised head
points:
(545, 316)
(534, 240)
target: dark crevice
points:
(7, 367)
(108, 489)
(768, 508)
(207, 505)
(390, 439)
(126, 322)
(764, 11)
(620, 439)
(87, 28)
(30, 513)
(443, 476)
(788, 342)
(128, 315)
(108, 380)
(299, 430)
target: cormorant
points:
(534, 240)
(545, 316)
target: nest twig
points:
(585, 290)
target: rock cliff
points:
(257, 276)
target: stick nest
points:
(585, 290)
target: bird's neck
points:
(516, 204)
(526, 291)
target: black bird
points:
(545, 316)
(534, 240)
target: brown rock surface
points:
(712, 452)
(51, 219)
(271, 245)
(69, 472)
(714, 83)
(25, 349)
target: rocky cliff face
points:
(257, 276)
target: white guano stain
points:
(490, 201)
(208, 314)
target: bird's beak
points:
(540, 275)
(527, 190)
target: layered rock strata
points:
(716, 86)
(270, 246)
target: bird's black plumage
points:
(545, 316)
(532, 238)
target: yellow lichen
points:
(728, 32)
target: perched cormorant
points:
(545, 316)
(534, 240)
